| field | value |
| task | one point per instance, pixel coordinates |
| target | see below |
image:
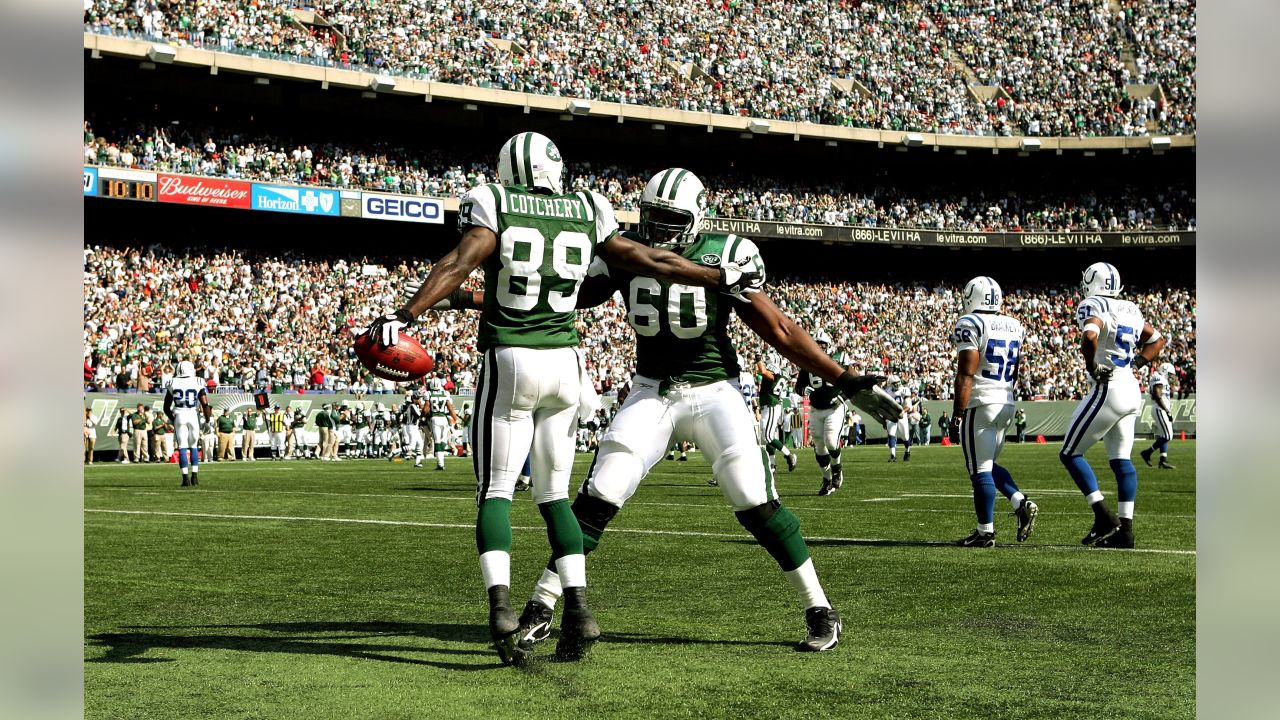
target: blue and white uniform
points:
(998, 341)
(1108, 412)
(1162, 421)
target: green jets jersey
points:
(545, 245)
(769, 390)
(438, 403)
(682, 332)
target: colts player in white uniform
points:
(1114, 340)
(1161, 416)
(988, 346)
(184, 401)
(899, 429)
(826, 421)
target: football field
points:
(348, 590)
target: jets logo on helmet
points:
(982, 294)
(672, 208)
(531, 160)
(1101, 279)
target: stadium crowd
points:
(281, 321)
(899, 66)
(220, 153)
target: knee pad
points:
(758, 518)
(593, 516)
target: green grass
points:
(237, 617)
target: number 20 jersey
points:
(998, 341)
(1122, 325)
(186, 392)
(682, 332)
(546, 244)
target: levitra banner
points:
(954, 238)
(1043, 418)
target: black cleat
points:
(1104, 524)
(194, 480)
(1120, 539)
(792, 461)
(893, 458)
(713, 482)
(535, 624)
(578, 632)
(671, 456)
(827, 488)
(1164, 465)
(824, 630)
(978, 539)
(522, 485)
(1146, 456)
(504, 628)
(1026, 519)
(186, 482)
(906, 457)
(837, 476)
(683, 458)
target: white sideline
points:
(633, 531)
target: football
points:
(406, 360)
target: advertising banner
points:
(402, 208)
(294, 199)
(350, 203)
(210, 192)
(768, 229)
(90, 181)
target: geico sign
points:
(403, 209)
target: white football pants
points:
(982, 435)
(526, 407)
(712, 416)
(826, 428)
(1107, 413)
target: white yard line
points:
(632, 531)
(470, 499)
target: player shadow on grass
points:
(623, 638)
(306, 638)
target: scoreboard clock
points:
(124, 189)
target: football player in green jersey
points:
(443, 418)
(771, 411)
(535, 243)
(686, 389)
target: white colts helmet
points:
(531, 160)
(1168, 369)
(672, 208)
(982, 294)
(1101, 279)
(186, 368)
(435, 384)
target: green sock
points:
(563, 531)
(493, 526)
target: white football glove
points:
(878, 404)
(740, 278)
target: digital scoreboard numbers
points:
(127, 189)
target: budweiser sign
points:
(203, 191)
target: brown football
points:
(406, 360)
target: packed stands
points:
(282, 319)
(1059, 65)
(856, 201)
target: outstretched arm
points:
(452, 270)
(733, 278)
(796, 345)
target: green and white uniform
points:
(438, 406)
(532, 368)
(686, 385)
